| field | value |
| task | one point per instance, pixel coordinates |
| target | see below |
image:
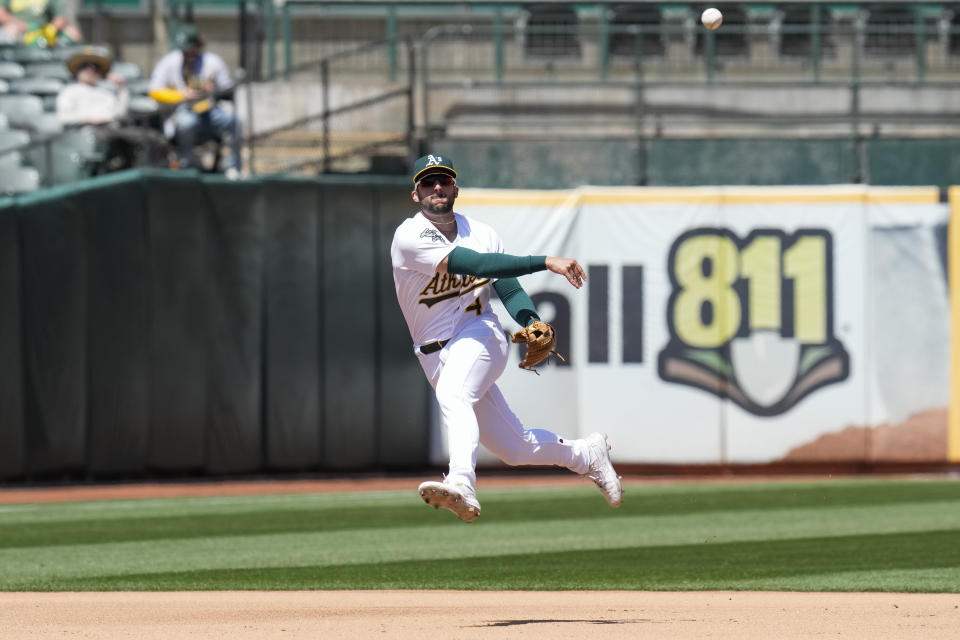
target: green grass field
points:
(831, 535)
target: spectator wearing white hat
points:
(99, 100)
(97, 96)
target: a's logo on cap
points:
(433, 160)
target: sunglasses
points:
(431, 181)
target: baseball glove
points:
(541, 339)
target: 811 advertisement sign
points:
(749, 318)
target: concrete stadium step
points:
(293, 151)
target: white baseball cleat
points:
(458, 498)
(601, 469)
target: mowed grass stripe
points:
(407, 510)
(23, 568)
(822, 564)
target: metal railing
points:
(328, 112)
(604, 67)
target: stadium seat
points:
(25, 55)
(845, 20)
(10, 160)
(10, 139)
(4, 87)
(21, 109)
(11, 70)
(126, 70)
(73, 155)
(139, 86)
(891, 30)
(36, 86)
(646, 17)
(731, 40)
(47, 124)
(142, 106)
(550, 30)
(19, 180)
(953, 25)
(795, 31)
(56, 70)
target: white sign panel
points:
(723, 325)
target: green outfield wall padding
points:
(404, 399)
(544, 164)
(234, 249)
(176, 323)
(349, 321)
(54, 316)
(292, 311)
(750, 162)
(567, 163)
(912, 162)
(176, 237)
(117, 270)
(12, 425)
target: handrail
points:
(327, 111)
(47, 142)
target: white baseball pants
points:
(463, 375)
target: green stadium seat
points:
(953, 29)
(11, 138)
(26, 55)
(550, 30)
(796, 20)
(10, 160)
(678, 21)
(21, 109)
(56, 70)
(139, 86)
(728, 42)
(625, 16)
(10, 70)
(19, 180)
(37, 86)
(141, 106)
(73, 155)
(890, 30)
(127, 70)
(47, 124)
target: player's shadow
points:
(514, 623)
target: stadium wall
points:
(740, 326)
(560, 163)
(168, 323)
(171, 324)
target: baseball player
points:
(444, 267)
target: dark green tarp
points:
(163, 322)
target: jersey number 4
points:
(476, 306)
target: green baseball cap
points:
(433, 163)
(188, 37)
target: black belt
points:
(432, 347)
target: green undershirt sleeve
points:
(467, 262)
(515, 299)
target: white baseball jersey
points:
(438, 306)
(463, 374)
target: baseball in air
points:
(711, 18)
